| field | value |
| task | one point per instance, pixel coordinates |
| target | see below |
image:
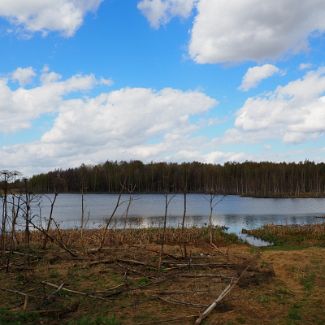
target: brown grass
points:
(294, 294)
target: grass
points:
(294, 295)
(294, 313)
(308, 281)
(291, 236)
(17, 317)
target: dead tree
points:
(6, 176)
(214, 199)
(50, 220)
(131, 190)
(168, 198)
(184, 214)
(27, 210)
(109, 220)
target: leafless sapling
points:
(50, 219)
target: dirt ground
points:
(122, 284)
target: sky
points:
(86, 81)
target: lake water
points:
(147, 210)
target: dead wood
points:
(222, 295)
(205, 276)
(175, 292)
(202, 265)
(60, 243)
(25, 295)
(72, 291)
(22, 254)
(52, 295)
(179, 302)
(170, 320)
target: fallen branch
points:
(25, 295)
(61, 244)
(179, 302)
(107, 261)
(222, 295)
(134, 262)
(175, 292)
(22, 254)
(52, 295)
(205, 276)
(72, 291)
(215, 265)
(168, 320)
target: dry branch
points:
(222, 295)
(179, 302)
(72, 291)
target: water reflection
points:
(147, 211)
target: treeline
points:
(265, 179)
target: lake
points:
(147, 210)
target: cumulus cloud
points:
(160, 12)
(64, 16)
(257, 74)
(294, 112)
(235, 31)
(23, 75)
(18, 107)
(123, 124)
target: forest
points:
(260, 179)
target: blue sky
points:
(160, 80)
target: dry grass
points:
(120, 291)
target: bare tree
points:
(6, 176)
(109, 220)
(184, 252)
(131, 190)
(168, 198)
(50, 220)
(214, 199)
(27, 210)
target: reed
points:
(116, 237)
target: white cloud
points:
(128, 115)
(129, 123)
(20, 106)
(293, 113)
(23, 75)
(222, 157)
(64, 16)
(305, 66)
(241, 30)
(160, 12)
(257, 74)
